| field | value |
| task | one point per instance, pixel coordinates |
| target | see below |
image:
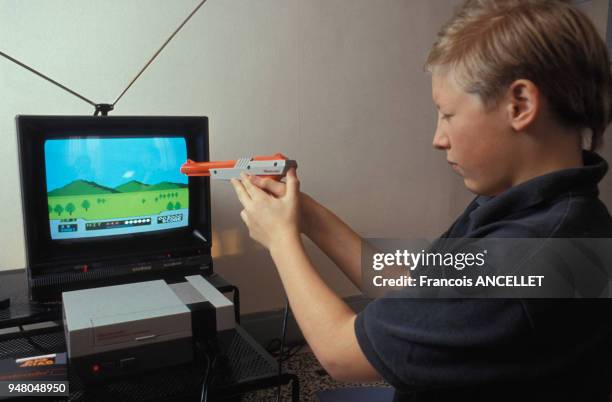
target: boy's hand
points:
(270, 218)
(278, 189)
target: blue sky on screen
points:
(111, 162)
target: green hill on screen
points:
(165, 185)
(132, 186)
(81, 187)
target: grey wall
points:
(336, 84)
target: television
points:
(104, 201)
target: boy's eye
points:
(446, 116)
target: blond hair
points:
(491, 43)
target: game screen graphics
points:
(115, 186)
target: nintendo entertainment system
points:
(120, 330)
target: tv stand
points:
(248, 367)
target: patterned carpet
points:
(312, 378)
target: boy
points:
(516, 84)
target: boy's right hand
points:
(273, 187)
(277, 189)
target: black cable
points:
(294, 350)
(206, 379)
(38, 348)
(282, 347)
(236, 304)
(274, 348)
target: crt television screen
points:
(115, 186)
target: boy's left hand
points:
(270, 219)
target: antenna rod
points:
(6, 56)
(159, 50)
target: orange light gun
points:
(274, 167)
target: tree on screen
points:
(58, 209)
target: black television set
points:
(104, 201)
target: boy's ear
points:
(524, 104)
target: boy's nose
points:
(440, 140)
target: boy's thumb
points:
(293, 183)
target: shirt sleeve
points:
(420, 344)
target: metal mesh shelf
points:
(243, 365)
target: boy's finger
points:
(244, 216)
(252, 190)
(275, 187)
(243, 195)
(293, 184)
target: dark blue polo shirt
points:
(503, 349)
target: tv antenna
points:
(103, 108)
